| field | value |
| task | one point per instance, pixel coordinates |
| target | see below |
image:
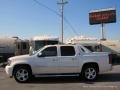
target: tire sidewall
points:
(84, 70)
(25, 68)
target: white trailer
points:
(38, 42)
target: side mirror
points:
(40, 55)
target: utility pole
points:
(62, 3)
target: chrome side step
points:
(54, 75)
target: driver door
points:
(47, 62)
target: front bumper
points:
(9, 70)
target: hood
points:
(21, 57)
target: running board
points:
(56, 75)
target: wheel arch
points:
(21, 65)
(94, 64)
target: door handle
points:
(54, 59)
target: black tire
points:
(22, 74)
(89, 73)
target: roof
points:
(64, 45)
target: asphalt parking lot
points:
(106, 81)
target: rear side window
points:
(67, 51)
(89, 48)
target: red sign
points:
(99, 17)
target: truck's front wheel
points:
(89, 73)
(22, 74)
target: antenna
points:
(62, 3)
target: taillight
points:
(110, 58)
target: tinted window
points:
(18, 46)
(24, 45)
(89, 48)
(67, 51)
(82, 49)
(50, 51)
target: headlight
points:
(9, 62)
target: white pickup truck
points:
(59, 60)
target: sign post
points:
(102, 32)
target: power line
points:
(66, 20)
(41, 4)
(73, 29)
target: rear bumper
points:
(9, 71)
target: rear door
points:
(68, 60)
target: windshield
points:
(32, 52)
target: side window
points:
(67, 51)
(24, 45)
(18, 46)
(89, 48)
(82, 49)
(50, 51)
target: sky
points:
(26, 18)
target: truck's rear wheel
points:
(22, 74)
(89, 73)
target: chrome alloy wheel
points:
(90, 73)
(22, 75)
